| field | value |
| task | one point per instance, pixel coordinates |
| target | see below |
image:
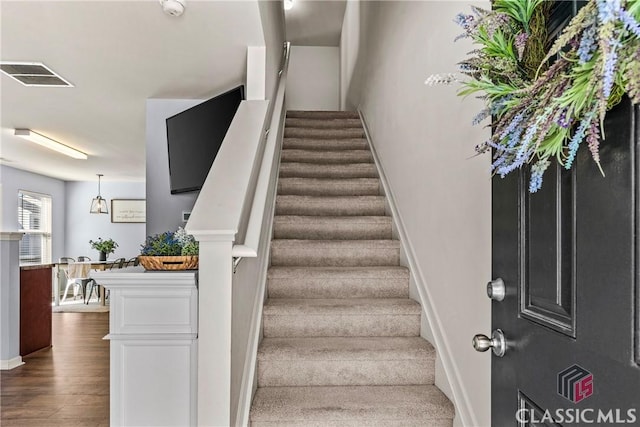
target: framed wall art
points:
(128, 210)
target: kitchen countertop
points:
(35, 267)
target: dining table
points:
(58, 278)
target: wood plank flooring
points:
(66, 385)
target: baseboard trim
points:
(7, 365)
(460, 395)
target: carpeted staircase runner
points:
(342, 342)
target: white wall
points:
(313, 82)
(164, 210)
(82, 226)
(349, 44)
(424, 138)
(16, 179)
(272, 14)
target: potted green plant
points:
(170, 251)
(105, 247)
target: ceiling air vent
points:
(33, 74)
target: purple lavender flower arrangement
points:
(544, 104)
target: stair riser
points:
(325, 144)
(338, 288)
(311, 170)
(282, 373)
(333, 257)
(292, 122)
(329, 231)
(330, 206)
(327, 157)
(320, 115)
(323, 133)
(368, 187)
(306, 325)
(357, 423)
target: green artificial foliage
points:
(107, 246)
(544, 103)
(170, 244)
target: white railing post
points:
(214, 330)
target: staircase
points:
(342, 343)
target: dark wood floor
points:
(67, 385)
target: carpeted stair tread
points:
(336, 206)
(332, 227)
(335, 253)
(345, 348)
(329, 123)
(322, 361)
(333, 406)
(316, 156)
(340, 317)
(329, 186)
(322, 115)
(325, 144)
(334, 273)
(338, 282)
(292, 132)
(341, 306)
(315, 170)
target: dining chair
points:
(78, 277)
(94, 285)
(118, 263)
(83, 258)
(133, 262)
(66, 260)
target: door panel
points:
(569, 258)
(533, 411)
(548, 294)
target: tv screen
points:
(194, 137)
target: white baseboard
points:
(460, 396)
(7, 365)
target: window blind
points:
(34, 217)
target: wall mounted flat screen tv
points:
(194, 137)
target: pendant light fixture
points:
(98, 204)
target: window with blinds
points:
(34, 216)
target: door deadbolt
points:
(496, 289)
(497, 343)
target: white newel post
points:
(214, 324)
(10, 300)
(153, 340)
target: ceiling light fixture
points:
(98, 204)
(49, 143)
(288, 4)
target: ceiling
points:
(118, 54)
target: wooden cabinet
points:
(35, 308)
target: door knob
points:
(496, 289)
(497, 343)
